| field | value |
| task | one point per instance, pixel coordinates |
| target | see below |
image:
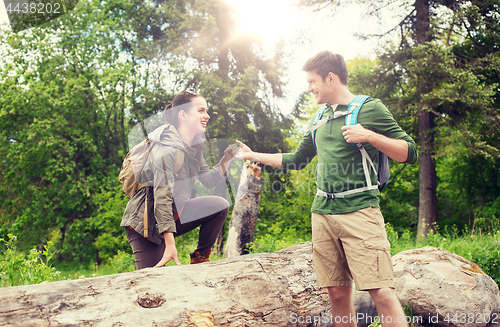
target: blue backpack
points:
(351, 118)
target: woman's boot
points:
(196, 257)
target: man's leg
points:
(342, 307)
(388, 306)
(330, 266)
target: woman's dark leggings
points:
(148, 254)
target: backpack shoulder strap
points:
(354, 107)
(319, 114)
(352, 119)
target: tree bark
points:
(427, 209)
(222, 21)
(221, 190)
(245, 211)
(422, 21)
(266, 289)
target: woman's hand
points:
(170, 251)
(230, 152)
(229, 155)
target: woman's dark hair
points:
(171, 112)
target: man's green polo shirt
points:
(340, 165)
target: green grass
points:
(277, 238)
(482, 248)
(121, 262)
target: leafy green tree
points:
(64, 102)
(71, 90)
(238, 79)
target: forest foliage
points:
(72, 89)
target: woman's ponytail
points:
(171, 112)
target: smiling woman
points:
(268, 20)
(165, 206)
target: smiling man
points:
(350, 245)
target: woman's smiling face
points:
(197, 117)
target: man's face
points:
(318, 87)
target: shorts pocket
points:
(384, 263)
(377, 243)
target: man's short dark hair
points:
(326, 62)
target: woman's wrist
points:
(169, 238)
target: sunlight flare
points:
(265, 19)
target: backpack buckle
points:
(330, 196)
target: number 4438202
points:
(32, 8)
(471, 318)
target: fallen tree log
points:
(267, 289)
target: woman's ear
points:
(182, 114)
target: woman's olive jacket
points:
(167, 193)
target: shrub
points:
(20, 269)
(123, 262)
(277, 239)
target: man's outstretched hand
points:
(245, 152)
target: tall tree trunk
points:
(245, 211)
(422, 21)
(427, 211)
(221, 19)
(221, 190)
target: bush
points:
(99, 237)
(19, 269)
(277, 239)
(123, 262)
